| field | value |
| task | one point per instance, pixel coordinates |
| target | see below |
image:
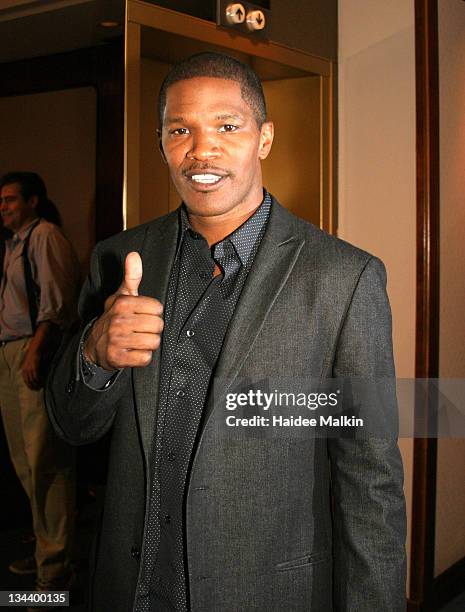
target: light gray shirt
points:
(55, 270)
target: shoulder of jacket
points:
(134, 237)
(320, 244)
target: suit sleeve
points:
(80, 414)
(369, 520)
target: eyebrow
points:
(227, 116)
(178, 119)
(220, 117)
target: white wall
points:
(377, 175)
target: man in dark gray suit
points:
(198, 516)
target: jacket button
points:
(135, 553)
(70, 386)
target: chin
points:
(207, 209)
(206, 204)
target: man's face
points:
(213, 147)
(14, 209)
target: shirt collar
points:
(244, 237)
(23, 232)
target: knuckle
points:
(117, 305)
(118, 327)
(112, 335)
(120, 303)
(117, 320)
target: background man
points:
(195, 519)
(4, 235)
(37, 299)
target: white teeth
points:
(207, 179)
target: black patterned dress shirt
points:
(198, 310)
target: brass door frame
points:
(427, 591)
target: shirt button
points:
(171, 456)
(190, 333)
(167, 519)
(180, 393)
(135, 553)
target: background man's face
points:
(213, 146)
(15, 210)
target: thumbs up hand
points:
(130, 328)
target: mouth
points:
(205, 180)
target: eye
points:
(228, 127)
(179, 131)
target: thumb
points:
(132, 274)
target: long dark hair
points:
(31, 184)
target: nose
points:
(203, 147)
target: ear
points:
(33, 201)
(266, 139)
(160, 146)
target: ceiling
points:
(45, 27)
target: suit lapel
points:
(158, 252)
(273, 263)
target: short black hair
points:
(31, 184)
(217, 65)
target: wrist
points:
(88, 348)
(88, 351)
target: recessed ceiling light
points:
(109, 24)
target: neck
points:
(215, 229)
(26, 222)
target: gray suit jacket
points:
(276, 523)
